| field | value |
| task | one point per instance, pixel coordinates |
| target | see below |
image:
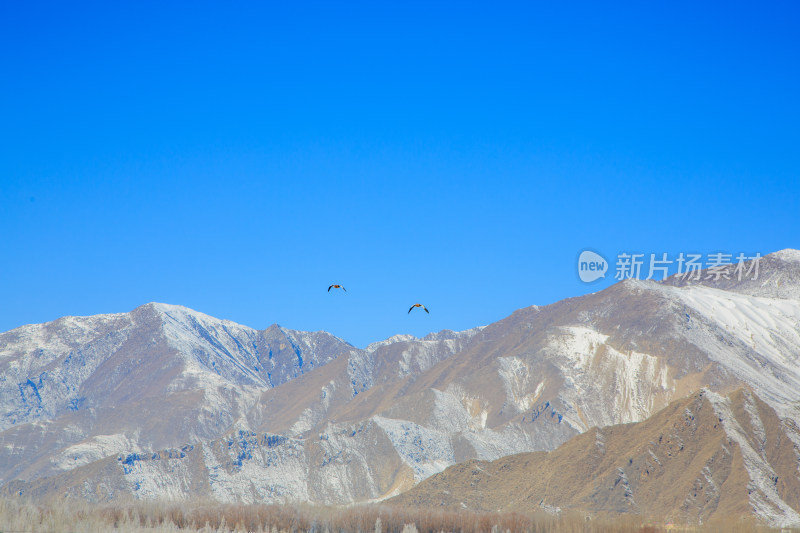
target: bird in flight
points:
(336, 287)
(419, 305)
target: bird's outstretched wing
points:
(329, 288)
(426, 309)
(410, 308)
(345, 290)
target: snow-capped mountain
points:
(81, 388)
(360, 425)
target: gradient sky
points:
(237, 158)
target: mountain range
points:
(168, 402)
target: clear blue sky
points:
(238, 158)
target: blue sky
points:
(238, 159)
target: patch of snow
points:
(608, 386)
(756, 338)
(764, 497)
(425, 450)
(93, 449)
(391, 340)
(517, 381)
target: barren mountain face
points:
(702, 458)
(164, 401)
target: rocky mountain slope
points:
(703, 458)
(330, 423)
(81, 388)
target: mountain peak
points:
(775, 275)
(175, 311)
(165, 307)
(787, 254)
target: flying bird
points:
(336, 287)
(419, 305)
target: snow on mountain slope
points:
(42, 366)
(46, 368)
(592, 369)
(243, 355)
(756, 338)
(219, 346)
(93, 449)
(765, 498)
(776, 275)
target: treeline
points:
(64, 516)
